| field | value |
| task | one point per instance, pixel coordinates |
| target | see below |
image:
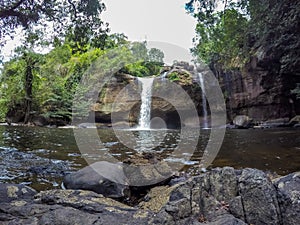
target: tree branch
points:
(8, 13)
(17, 4)
(74, 8)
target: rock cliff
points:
(261, 88)
(120, 100)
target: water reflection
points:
(41, 156)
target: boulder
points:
(102, 177)
(141, 171)
(222, 196)
(227, 196)
(70, 207)
(259, 198)
(288, 192)
(280, 122)
(295, 120)
(40, 121)
(147, 174)
(223, 184)
(11, 192)
(242, 121)
(193, 201)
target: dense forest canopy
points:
(227, 33)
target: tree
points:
(58, 17)
(139, 50)
(221, 35)
(148, 62)
(156, 55)
(87, 29)
(115, 40)
(78, 19)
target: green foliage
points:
(80, 19)
(156, 55)
(58, 78)
(87, 29)
(136, 69)
(12, 85)
(49, 81)
(173, 76)
(221, 35)
(230, 34)
(142, 69)
(139, 50)
(115, 40)
(149, 62)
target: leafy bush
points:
(173, 76)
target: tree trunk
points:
(28, 89)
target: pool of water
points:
(40, 157)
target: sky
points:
(151, 20)
(154, 21)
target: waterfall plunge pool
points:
(40, 157)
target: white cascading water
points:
(146, 95)
(204, 105)
(164, 76)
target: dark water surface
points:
(40, 157)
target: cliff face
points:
(259, 94)
(119, 96)
(120, 101)
(262, 88)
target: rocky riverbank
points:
(220, 196)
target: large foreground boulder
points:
(228, 196)
(69, 207)
(102, 177)
(222, 196)
(114, 179)
(12, 192)
(288, 193)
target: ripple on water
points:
(55, 151)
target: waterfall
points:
(204, 104)
(145, 111)
(164, 76)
